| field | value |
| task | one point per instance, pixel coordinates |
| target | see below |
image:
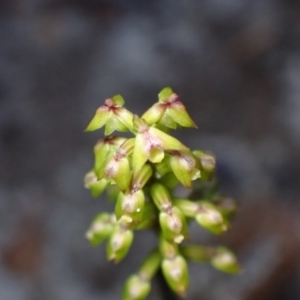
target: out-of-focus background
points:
(235, 65)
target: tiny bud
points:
(173, 225)
(176, 274)
(113, 115)
(210, 218)
(184, 166)
(131, 205)
(101, 228)
(161, 197)
(119, 244)
(189, 208)
(224, 260)
(125, 148)
(141, 178)
(119, 171)
(136, 288)
(144, 145)
(104, 148)
(207, 161)
(175, 110)
(92, 183)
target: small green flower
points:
(169, 111)
(205, 213)
(161, 197)
(131, 205)
(116, 166)
(175, 271)
(210, 218)
(92, 183)
(119, 243)
(141, 178)
(101, 228)
(150, 144)
(119, 171)
(173, 225)
(136, 288)
(113, 115)
(189, 208)
(185, 166)
(103, 149)
(207, 163)
(224, 260)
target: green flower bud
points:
(169, 111)
(136, 288)
(198, 253)
(207, 162)
(210, 218)
(161, 197)
(150, 144)
(145, 144)
(92, 183)
(224, 260)
(131, 205)
(173, 225)
(140, 178)
(113, 115)
(178, 113)
(176, 274)
(119, 243)
(189, 208)
(119, 170)
(125, 148)
(185, 167)
(101, 228)
(103, 149)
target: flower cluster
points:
(140, 174)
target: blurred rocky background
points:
(236, 66)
